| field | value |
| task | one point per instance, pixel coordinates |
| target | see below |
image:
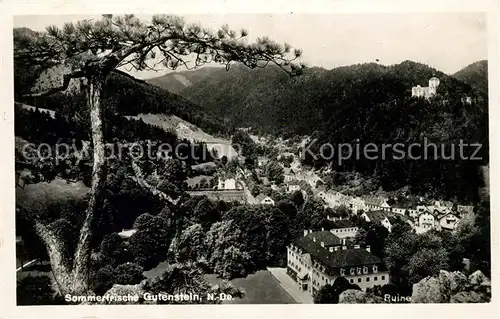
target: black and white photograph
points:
(252, 158)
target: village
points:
(320, 256)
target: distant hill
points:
(269, 100)
(475, 74)
(175, 82)
(370, 103)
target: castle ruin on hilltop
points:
(427, 91)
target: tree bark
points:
(81, 264)
(59, 263)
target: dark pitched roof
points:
(326, 237)
(344, 223)
(339, 258)
(261, 197)
(376, 215)
(404, 218)
(373, 200)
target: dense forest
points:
(475, 74)
(364, 103)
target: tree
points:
(113, 248)
(411, 257)
(298, 199)
(188, 278)
(102, 279)
(243, 143)
(143, 221)
(223, 240)
(128, 274)
(275, 172)
(92, 50)
(330, 293)
(36, 290)
(190, 246)
(150, 245)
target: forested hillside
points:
(175, 82)
(475, 74)
(369, 102)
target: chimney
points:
(328, 217)
(330, 249)
(322, 244)
(322, 228)
(356, 246)
(343, 241)
(344, 247)
(337, 248)
(314, 239)
(368, 248)
(305, 232)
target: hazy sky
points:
(446, 41)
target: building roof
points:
(293, 182)
(127, 233)
(376, 215)
(261, 197)
(336, 259)
(326, 237)
(374, 200)
(404, 218)
(321, 188)
(343, 223)
(288, 171)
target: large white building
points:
(427, 91)
(318, 258)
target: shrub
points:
(36, 290)
(102, 280)
(128, 274)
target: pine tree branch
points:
(139, 178)
(66, 80)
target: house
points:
(373, 202)
(356, 204)
(293, 186)
(343, 228)
(403, 218)
(399, 209)
(377, 216)
(447, 221)
(318, 258)
(288, 174)
(226, 183)
(264, 199)
(425, 221)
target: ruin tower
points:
(433, 84)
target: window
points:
(351, 281)
(365, 270)
(351, 271)
(342, 271)
(367, 279)
(375, 269)
(383, 277)
(359, 279)
(375, 278)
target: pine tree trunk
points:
(81, 265)
(59, 263)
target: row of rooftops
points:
(333, 252)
